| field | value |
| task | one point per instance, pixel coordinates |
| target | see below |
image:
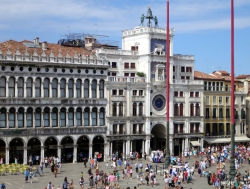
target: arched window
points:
(78, 88)
(38, 117)
(192, 110)
(71, 117)
(46, 116)
(181, 109)
(62, 88)
(29, 117)
(29, 87)
(54, 88)
(38, 87)
(114, 108)
(120, 109)
(176, 110)
(197, 110)
(2, 87)
(2, 118)
(93, 88)
(86, 117)
(101, 89)
(54, 117)
(140, 109)
(134, 109)
(102, 116)
(79, 117)
(46, 87)
(20, 85)
(11, 118)
(12, 87)
(71, 88)
(86, 88)
(63, 117)
(20, 117)
(94, 117)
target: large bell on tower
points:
(149, 16)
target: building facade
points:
(52, 101)
(217, 108)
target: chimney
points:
(36, 40)
(44, 45)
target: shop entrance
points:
(158, 138)
(2, 151)
(98, 147)
(34, 148)
(50, 147)
(16, 151)
(67, 149)
(82, 148)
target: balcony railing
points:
(188, 82)
(118, 52)
(127, 79)
(117, 133)
(138, 132)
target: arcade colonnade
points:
(59, 145)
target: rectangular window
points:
(214, 100)
(46, 119)
(134, 92)
(207, 100)
(120, 92)
(132, 65)
(226, 88)
(242, 99)
(217, 86)
(20, 120)
(113, 64)
(181, 93)
(86, 118)
(126, 74)
(54, 88)
(214, 112)
(176, 93)
(132, 75)
(183, 77)
(134, 48)
(63, 119)
(38, 119)
(205, 86)
(182, 69)
(126, 65)
(220, 113)
(227, 100)
(191, 94)
(140, 92)
(11, 120)
(207, 113)
(173, 68)
(54, 119)
(79, 118)
(220, 99)
(209, 86)
(94, 118)
(189, 69)
(71, 119)
(196, 94)
(187, 77)
(227, 113)
(221, 129)
(228, 128)
(113, 73)
(29, 119)
(102, 121)
(114, 92)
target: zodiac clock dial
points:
(159, 102)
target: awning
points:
(243, 138)
(195, 143)
(217, 140)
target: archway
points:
(34, 149)
(67, 149)
(158, 138)
(50, 147)
(98, 147)
(16, 150)
(2, 151)
(82, 148)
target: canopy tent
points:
(217, 140)
(195, 143)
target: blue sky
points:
(202, 27)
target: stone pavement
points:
(73, 171)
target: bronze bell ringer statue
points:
(149, 17)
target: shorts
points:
(170, 184)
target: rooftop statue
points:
(156, 22)
(142, 20)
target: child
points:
(107, 165)
(141, 179)
(81, 174)
(31, 176)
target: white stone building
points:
(52, 101)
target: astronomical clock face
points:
(159, 102)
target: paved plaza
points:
(73, 171)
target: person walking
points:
(81, 182)
(65, 183)
(49, 186)
(26, 175)
(85, 161)
(91, 181)
(31, 176)
(71, 184)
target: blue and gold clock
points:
(159, 102)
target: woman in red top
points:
(213, 179)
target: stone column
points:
(42, 122)
(58, 117)
(137, 109)
(7, 87)
(117, 109)
(124, 149)
(118, 128)
(131, 146)
(33, 88)
(143, 148)
(42, 154)
(90, 117)
(24, 119)
(83, 117)
(75, 121)
(137, 128)
(25, 161)
(75, 154)
(16, 89)
(34, 120)
(128, 147)
(147, 146)
(59, 152)
(7, 119)
(74, 90)
(50, 119)
(97, 90)
(58, 89)
(97, 117)
(82, 90)
(7, 155)
(186, 143)
(67, 117)
(42, 93)
(24, 88)
(16, 121)
(90, 88)
(67, 89)
(90, 150)
(50, 89)
(111, 148)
